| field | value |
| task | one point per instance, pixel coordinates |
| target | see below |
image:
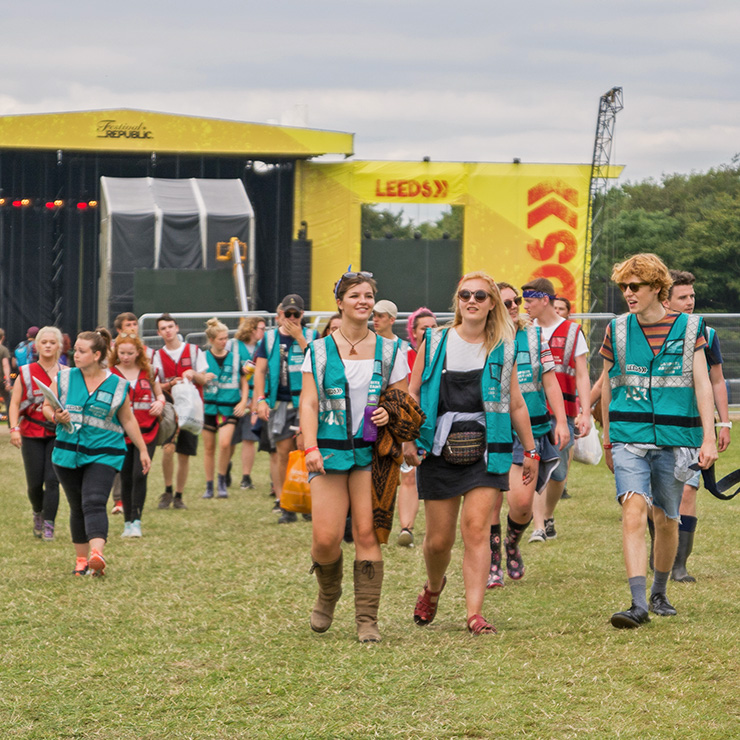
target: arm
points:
(410, 449)
(522, 427)
(606, 398)
(241, 408)
(555, 398)
(52, 414)
(583, 386)
(259, 402)
(705, 402)
(131, 427)
(6, 373)
(309, 415)
(14, 413)
(158, 406)
(719, 392)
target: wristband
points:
(310, 449)
(261, 398)
(15, 429)
(725, 424)
(608, 445)
(531, 454)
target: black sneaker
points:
(550, 532)
(660, 605)
(246, 482)
(631, 618)
(287, 517)
(228, 476)
(276, 508)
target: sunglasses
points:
(479, 295)
(349, 276)
(513, 302)
(634, 287)
(292, 314)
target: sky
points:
(454, 81)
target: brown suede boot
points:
(368, 581)
(329, 576)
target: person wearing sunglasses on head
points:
(540, 388)
(465, 379)
(277, 385)
(570, 352)
(345, 375)
(658, 414)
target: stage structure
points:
(165, 224)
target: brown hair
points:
(127, 316)
(543, 285)
(100, 341)
(647, 267)
(680, 277)
(344, 284)
(325, 333)
(247, 327)
(142, 361)
(521, 321)
(166, 317)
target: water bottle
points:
(369, 429)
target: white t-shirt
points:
(548, 331)
(359, 373)
(463, 356)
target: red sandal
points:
(477, 625)
(426, 609)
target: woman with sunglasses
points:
(225, 401)
(540, 389)
(129, 361)
(466, 383)
(344, 375)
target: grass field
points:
(200, 630)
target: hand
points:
(175, 381)
(62, 417)
(529, 470)
(380, 417)
(583, 425)
(293, 327)
(263, 411)
(146, 461)
(411, 454)
(561, 434)
(723, 439)
(209, 376)
(608, 459)
(240, 409)
(16, 440)
(187, 375)
(315, 462)
(707, 454)
(156, 408)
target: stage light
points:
(17, 203)
(2, 201)
(50, 205)
(26, 202)
(93, 204)
(82, 206)
(58, 203)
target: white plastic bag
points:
(189, 406)
(587, 449)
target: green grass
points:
(200, 630)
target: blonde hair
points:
(214, 327)
(648, 268)
(499, 326)
(57, 335)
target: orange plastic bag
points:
(296, 494)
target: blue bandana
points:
(537, 294)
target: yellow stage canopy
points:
(127, 130)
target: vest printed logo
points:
(670, 367)
(104, 397)
(636, 369)
(333, 391)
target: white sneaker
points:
(136, 528)
(127, 530)
(538, 536)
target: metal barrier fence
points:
(727, 326)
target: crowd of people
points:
(460, 417)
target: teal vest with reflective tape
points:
(221, 394)
(495, 394)
(334, 436)
(653, 397)
(98, 436)
(529, 374)
(295, 360)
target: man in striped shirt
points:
(658, 414)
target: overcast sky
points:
(467, 80)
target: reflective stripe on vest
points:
(529, 371)
(653, 396)
(294, 360)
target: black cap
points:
(292, 301)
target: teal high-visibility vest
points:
(295, 360)
(495, 394)
(98, 436)
(529, 374)
(334, 436)
(221, 394)
(653, 397)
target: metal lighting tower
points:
(610, 104)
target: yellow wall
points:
(521, 220)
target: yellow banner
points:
(138, 130)
(521, 221)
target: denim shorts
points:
(561, 472)
(652, 477)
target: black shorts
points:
(211, 423)
(187, 443)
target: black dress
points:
(436, 479)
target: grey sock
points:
(637, 588)
(660, 581)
